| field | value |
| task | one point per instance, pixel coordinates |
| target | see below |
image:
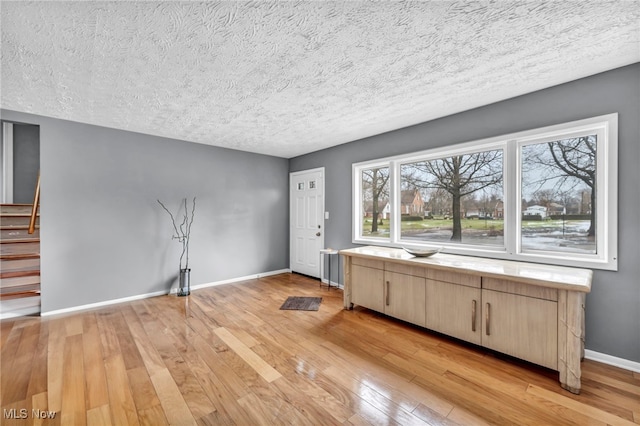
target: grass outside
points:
(439, 224)
(435, 224)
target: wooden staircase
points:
(19, 262)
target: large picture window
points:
(558, 185)
(546, 195)
(452, 199)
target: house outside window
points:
(539, 211)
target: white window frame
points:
(606, 258)
(357, 206)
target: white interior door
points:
(306, 229)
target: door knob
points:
(317, 234)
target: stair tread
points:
(19, 294)
(16, 264)
(5, 214)
(35, 286)
(19, 256)
(13, 221)
(17, 282)
(19, 240)
(30, 269)
(13, 208)
(16, 227)
(19, 273)
(16, 238)
(20, 248)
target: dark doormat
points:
(301, 303)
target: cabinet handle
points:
(473, 315)
(386, 296)
(486, 321)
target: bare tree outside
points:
(459, 176)
(543, 197)
(439, 202)
(563, 172)
(375, 190)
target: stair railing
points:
(34, 208)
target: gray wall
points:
(105, 237)
(26, 162)
(613, 306)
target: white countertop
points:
(575, 279)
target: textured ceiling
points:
(288, 78)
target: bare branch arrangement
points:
(183, 230)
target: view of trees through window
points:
(455, 198)
(460, 198)
(558, 195)
(375, 202)
(547, 194)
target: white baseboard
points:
(101, 304)
(160, 293)
(612, 360)
(235, 280)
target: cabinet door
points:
(454, 310)
(405, 297)
(524, 327)
(367, 287)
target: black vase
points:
(184, 288)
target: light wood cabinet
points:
(368, 287)
(405, 297)
(398, 295)
(454, 310)
(520, 326)
(529, 311)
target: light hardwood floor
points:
(228, 355)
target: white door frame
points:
(322, 216)
(7, 163)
